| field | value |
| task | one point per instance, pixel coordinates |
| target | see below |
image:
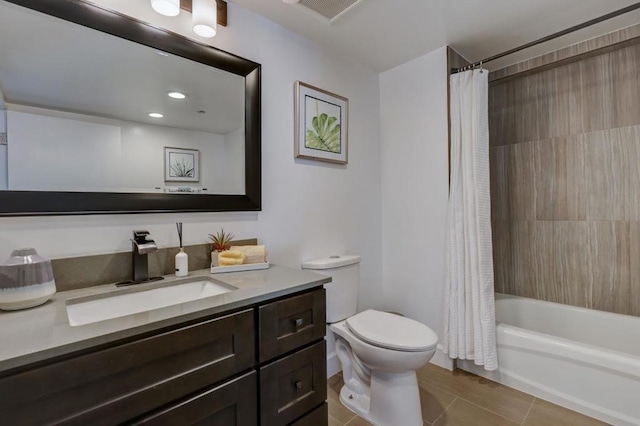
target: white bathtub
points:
(582, 359)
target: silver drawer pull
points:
(297, 323)
(299, 385)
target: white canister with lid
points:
(26, 280)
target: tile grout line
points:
(493, 412)
(338, 402)
(447, 390)
(350, 420)
(426, 382)
(337, 421)
(357, 417)
(445, 410)
(529, 410)
(478, 405)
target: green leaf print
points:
(325, 135)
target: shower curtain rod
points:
(552, 36)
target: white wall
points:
(310, 209)
(392, 194)
(59, 151)
(3, 147)
(234, 157)
(414, 129)
(4, 182)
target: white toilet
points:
(379, 351)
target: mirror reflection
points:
(86, 111)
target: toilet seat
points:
(390, 331)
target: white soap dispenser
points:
(182, 259)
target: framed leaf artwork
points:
(321, 123)
(181, 165)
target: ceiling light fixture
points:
(177, 95)
(206, 14)
(205, 18)
(155, 115)
(166, 7)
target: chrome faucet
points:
(141, 246)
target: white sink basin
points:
(133, 300)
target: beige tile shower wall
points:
(611, 40)
(565, 183)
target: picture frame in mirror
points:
(181, 165)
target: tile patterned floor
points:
(462, 399)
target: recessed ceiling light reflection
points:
(155, 115)
(177, 95)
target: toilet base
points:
(357, 403)
(393, 399)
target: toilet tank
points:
(342, 291)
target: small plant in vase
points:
(221, 241)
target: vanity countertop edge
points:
(43, 333)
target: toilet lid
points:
(392, 331)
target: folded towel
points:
(252, 254)
(230, 258)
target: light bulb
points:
(166, 7)
(205, 17)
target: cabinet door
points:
(293, 385)
(318, 417)
(291, 323)
(231, 404)
(113, 385)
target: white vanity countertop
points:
(43, 332)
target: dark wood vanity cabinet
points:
(294, 384)
(290, 323)
(232, 403)
(212, 372)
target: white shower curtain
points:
(469, 314)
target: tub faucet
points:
(141, 247)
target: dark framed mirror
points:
(78, 87)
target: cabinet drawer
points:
(293, 386)
(318, 417)
(231, 404)
(291, 323)
(116, 384)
